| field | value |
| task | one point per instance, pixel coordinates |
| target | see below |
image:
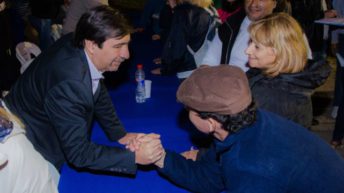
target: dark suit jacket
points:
(55, 101)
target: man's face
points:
(257, 9)
(208, 126)
(201, 124)
(110, 56)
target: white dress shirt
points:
(96, 75)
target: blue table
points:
(159, 115)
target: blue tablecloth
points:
(159, 115)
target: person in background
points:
(75, 10)
(165, 22)
(280, 78)
(42, 14)
(150, 17)
(228, 46)
(61, 93)
(22, 168)
(306, 12)
(165, 19)
(19, 11)
(228, 8)
(232, 40)
(337, 43)
(190, 24)
(338, 133)
(9, 65)
(253, 150)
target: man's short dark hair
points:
(234, 123)
(282, 6)
(100, 24)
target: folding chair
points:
(26, 52)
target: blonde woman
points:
(22, 168)
(281, 78)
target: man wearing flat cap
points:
(254, 151)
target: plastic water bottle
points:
(140, 88)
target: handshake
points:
(147, 148)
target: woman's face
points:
(260, 56)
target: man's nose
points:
(125, 52)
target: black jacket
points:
(54, 99)
(306, 12)
(189, 27)
(228, 32)
(289, 95)
(9, 65)
(165, 21)
(47, 9)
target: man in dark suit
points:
(61, 93)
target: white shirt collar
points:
(238, 56)
(95, 73)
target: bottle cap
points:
(139, 66)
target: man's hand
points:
(134, 144)
(156, 71)
(191, 154)
(161, 161)
(129, 137)
(330, 13)
(150, 149)
(2, 5)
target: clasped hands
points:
(147, 147)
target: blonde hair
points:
(10, 117)
(283, 33)
(199, 3)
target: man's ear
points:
(276, 3)
(211, 124)
(89, 46)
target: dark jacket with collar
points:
(306, 12)
(289, 95)
(189, 27)
(55, 101)
(273, 155)
(228, 32)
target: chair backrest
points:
(26, 52)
